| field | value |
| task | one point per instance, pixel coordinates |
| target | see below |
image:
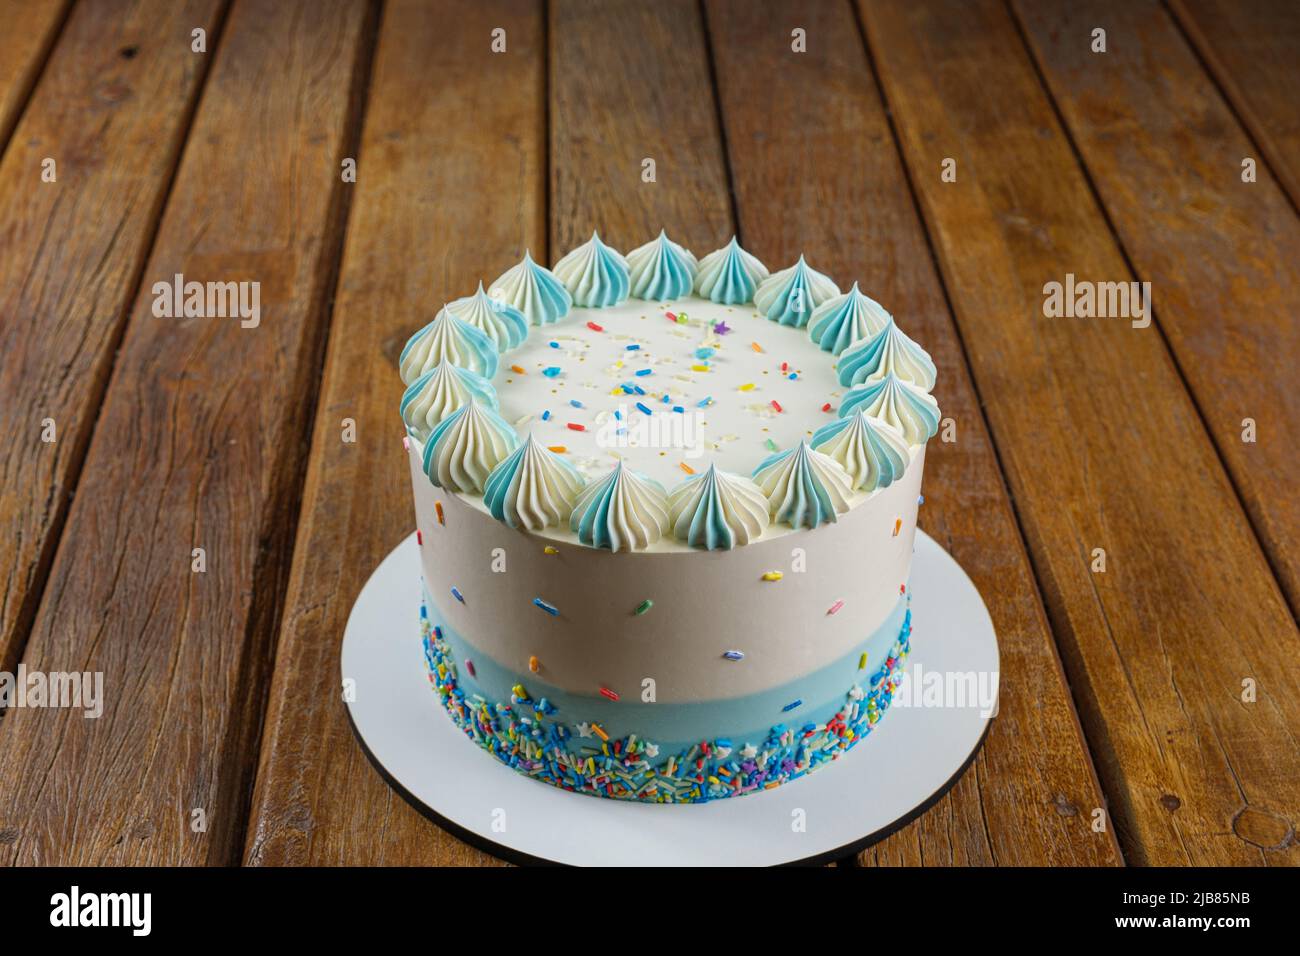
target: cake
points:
(665, 512)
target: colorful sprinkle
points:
(721, 329)
(734, 655)
(826, 407)
(607, 693)
(701, 368)
(455, 592)
(550, 550)
(437, 507)
(576, 404)
(595, 328)
(687, 468)
(644, 372)
(704, 402)
(771, 445)
(862, 661)
(679, 409)
(518, 691)
(703, 353)
(834, 608)
(469, 666)
(633, 348)
(518, 370)
(546, 415)
(406, 443)
(898, 524)
(553, 344)
(599, 731)
(773, 576)
(792, 376)
(548, 608)
(576, 427)
(791, 706)
(644, 606)
(644, 408)
(777, 405)
(756, 347)
(671, 317)
(551, 371)
(534, 664)
(920, 500)
(419, 536)
(747, 387)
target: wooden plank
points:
(70, 254)
(31, 27)
(1102, 448)
(451, 189)
(198, 444)
(825, 179)
(1221, 254)
(1254, 51)
(630, 83)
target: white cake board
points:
(911, 758)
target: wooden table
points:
(1150, 711)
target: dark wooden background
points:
(1122, 694)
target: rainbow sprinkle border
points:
(524, 735)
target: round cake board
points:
(908, 761)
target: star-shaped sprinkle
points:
(652, 750)
(584, 730)
(723, 752)
(856, 693)
(749, 751)
(721, 328)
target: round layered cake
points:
(666, 508)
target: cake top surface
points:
(627, 399)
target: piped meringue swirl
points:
(729, 275)
(437, 393)
(533, 290)
(804, 488)
(462, 451)
(662, 270)
(595, 274)
(718, 510)
(872, 452)
(447, 339)
(624, 511)
(534, 488)
(887, 352)
(910, 409)
(841, 321)
(791, 295)
(501, 322)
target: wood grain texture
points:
(1254, 51)
(70, 253)
(199, 443)
(1027, 798)
(629, 83)
(1222, 255)
(451, 189)
(30, 28)
(1102, 448)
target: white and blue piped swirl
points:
(718, 510)
(533, 290)
(447, 339)
(729, 275)
(595, 275)
(804, 488)
(462, 451)
(888, 352)
(437, 393)
(908, 408)
(533, 488)
(624, 511)
(661, 270)
(505, 325)
(791, 295)
(872, 451)
(841, 321)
